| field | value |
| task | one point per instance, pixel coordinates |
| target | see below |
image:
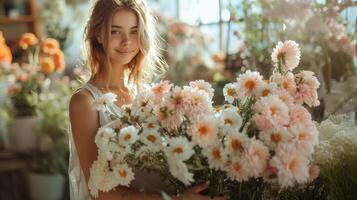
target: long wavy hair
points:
(147, 64)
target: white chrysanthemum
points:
(122, 175)
(230, 92)
(142, 105)
(115, 125)
(102, 140)
(229, 119)
(236, 143)
(105, 99)
(128, 136)
(179, 148)
(275, 136)
(216, 156)
(100, 179)
(266, 89)
(204, 130)
(288, 53)
(238, 169)
(179, 170)
(152, 138)
(249, 82)
(203, 86)
(150, 124)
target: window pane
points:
(196, 11)
(164, 7)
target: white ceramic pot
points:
(22, 134)
(46, 186)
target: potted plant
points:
(47, 176)
(44, 60)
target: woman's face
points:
(124, 41)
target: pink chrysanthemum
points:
(158, 90)
(274, 108)
(203, 86)
(249, 82)
(258, 155)
(292, 166)
(307, 85)
(285, 82)
(288, 54)
(204, 130)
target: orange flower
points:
(27, 39)
(219, 57)
(5, 53)
(50, 46)
(58, 59)
(47, 65)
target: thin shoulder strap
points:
(95, 94)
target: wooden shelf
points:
(30, 21)
(20, 19)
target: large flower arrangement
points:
(262, 134)
(30, 77)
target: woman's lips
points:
(124, 52)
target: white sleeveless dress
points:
(145, 182)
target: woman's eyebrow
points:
(120, 27)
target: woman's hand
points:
(194, 193)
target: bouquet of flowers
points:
(264, 132)
(155, 133)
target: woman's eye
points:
(134, 32)
(115, 32)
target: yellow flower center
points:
(151, 138)
(127, 137)
(231, 92)
(276, 137)
(216, 154)
(228, 121)
(123, 173)
(178, 150)
(250, 85)
(236, 145)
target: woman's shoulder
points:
(81, 101)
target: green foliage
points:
(52, 111)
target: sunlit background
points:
(213, 40)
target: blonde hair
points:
(146, 64)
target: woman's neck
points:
(113, 81)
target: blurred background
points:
(213, 40)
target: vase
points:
(22, 134)
(46, 186)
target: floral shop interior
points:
(178, 99)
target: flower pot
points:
(22, 134)
(46, 186)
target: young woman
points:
(121, 45)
